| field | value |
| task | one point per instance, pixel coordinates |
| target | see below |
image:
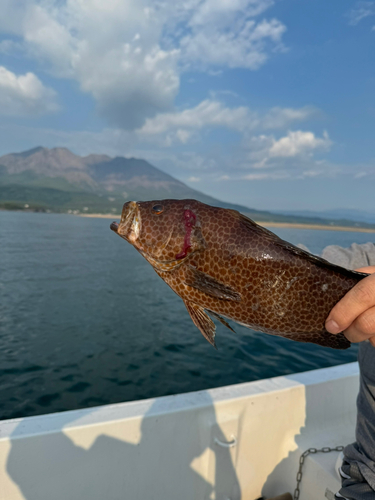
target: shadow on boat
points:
(327, 421)
(167, 453)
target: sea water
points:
(85, 321)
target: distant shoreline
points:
(291, 225)
(317, 226)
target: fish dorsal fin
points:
(207, 284)
(221, 319)
(202, 321)
(253, 226)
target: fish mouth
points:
(130, 224)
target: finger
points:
(363, 327)
(368, 269)
(360, 298)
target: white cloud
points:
(133, 69)
(218, 11)
(361, 11)
(215, 94)
(194, 179)
(282, 117)
(24, 95)
(312, 173)
(181, 126)
(124, 68)
(293, 151)
(224, 33)
(299, 143)
(359, 175)
(247, 45)
(9, 47)
(266, 175)
(194, 162)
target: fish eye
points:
(158, 209)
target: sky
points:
(267, 103)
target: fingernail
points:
(332, 326)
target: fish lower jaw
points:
(134, 229)
(132, 238)
(130, 225)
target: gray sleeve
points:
(358, 469)
(351, 258)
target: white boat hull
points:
(237, 442)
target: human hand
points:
(354, 314)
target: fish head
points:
(165, 232)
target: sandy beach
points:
(269, 224)
(317, 226)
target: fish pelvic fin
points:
(221, 319)
(209, 285)
(202, 321)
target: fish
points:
(224, 266)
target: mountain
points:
(57, 180)
(60, 181)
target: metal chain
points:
(310, 451)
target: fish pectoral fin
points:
(221, 319)
(207, 284)
(202, 321)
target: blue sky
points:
(269, 103)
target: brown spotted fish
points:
(222, 263)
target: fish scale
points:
(221, 262)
